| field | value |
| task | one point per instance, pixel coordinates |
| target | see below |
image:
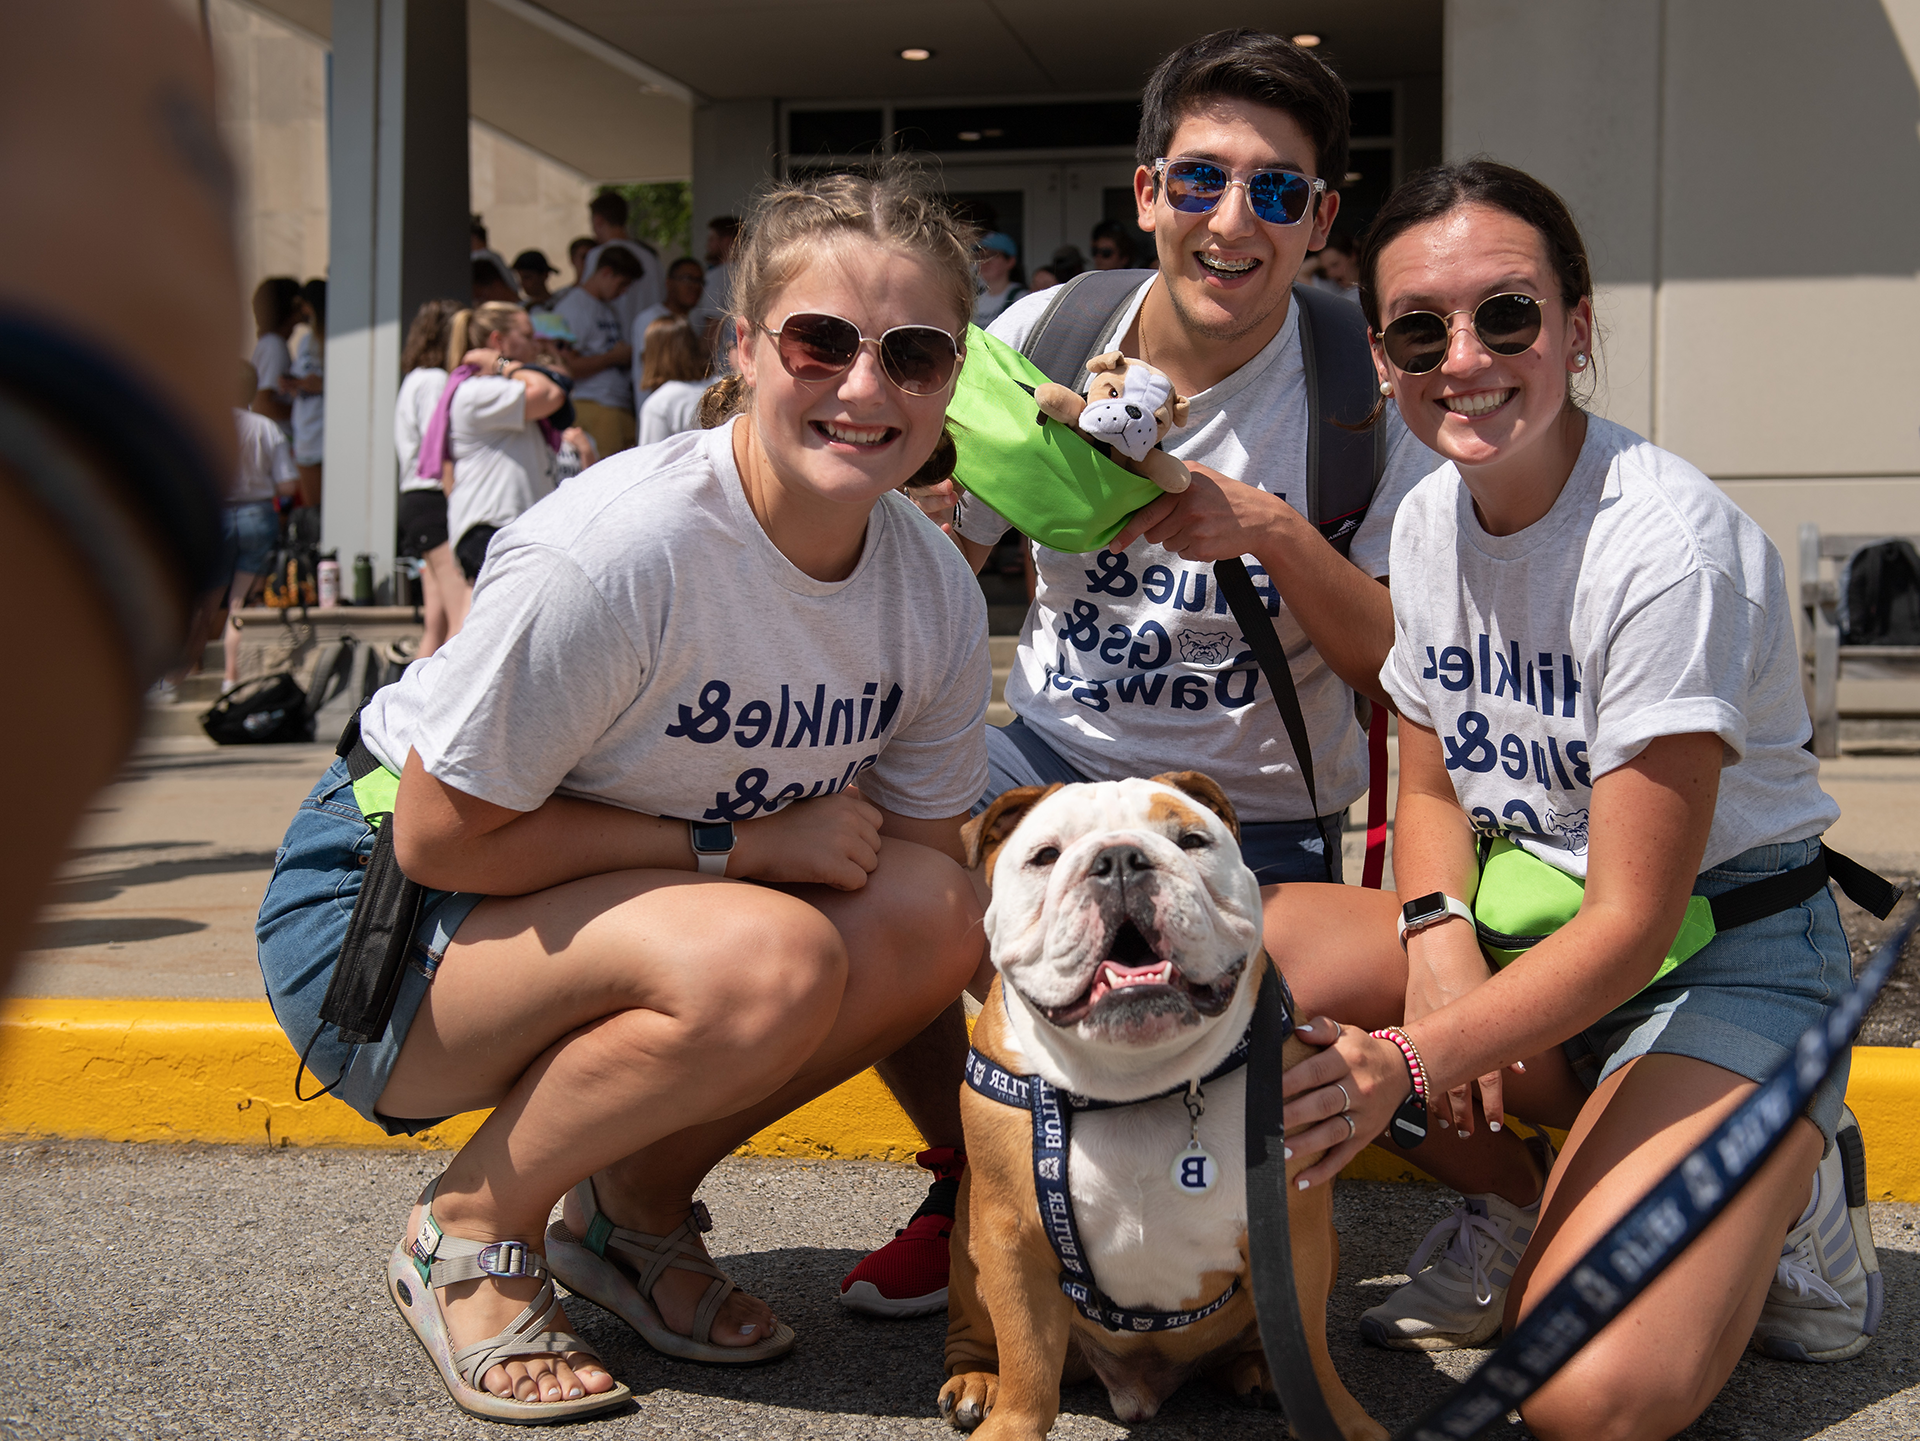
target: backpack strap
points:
(1344, 463)
(1062, 341)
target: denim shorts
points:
(1274, 851)
(303, 923)
(250, 531)
(1741, 1001)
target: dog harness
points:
(1052, 1111)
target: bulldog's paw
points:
(1247, 1377)
(967, 1399)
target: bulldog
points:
(1102, 1220)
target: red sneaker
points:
(908, 1275)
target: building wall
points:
(528, 200)
(1747, 176)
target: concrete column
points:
(735, 145)
(398, 238)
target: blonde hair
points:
(671, 353)
(470, 328)
(789, 224)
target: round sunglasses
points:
(920, 359)
(1279, 197)
(1417, 341)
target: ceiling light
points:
(1306, 42)
(916, 52)
(1354, 177)
(969, 134)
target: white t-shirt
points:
(596, 330)
(419, 394)
(265, 458)
(645, 292)
(638, 639)
(1130, 664)
(309, 411)
(502, 463)
(271, 361)
(637, 338)
(987, 306)
(673, 407)
(1644, 604)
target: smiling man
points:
(1130, 662)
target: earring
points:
(1386, 387)
(1580, 360)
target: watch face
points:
(1424, 908)
(713, 839)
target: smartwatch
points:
(712, 845)
(1429, 910)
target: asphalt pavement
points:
(236, 1292)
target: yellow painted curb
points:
(222, 1071)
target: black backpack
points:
(274, 709)
(1344, 465)
(1880, 592)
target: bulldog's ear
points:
(1101, 364)
(988, 831)
(1206, 790)
(1181, 409)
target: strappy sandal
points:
(623, 1281)
(415, 1274)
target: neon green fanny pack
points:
(1043, 477)
(1522, 900)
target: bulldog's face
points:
(1122, 917)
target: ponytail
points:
(939, 466)
(724, 399)
(457, 338)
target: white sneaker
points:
(1458, 1301)
(1824, 1303)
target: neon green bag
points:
(1522, 900)
(1045, 478)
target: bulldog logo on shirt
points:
(1573, 826)
(1204, 647)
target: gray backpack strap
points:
(1063, 340)
(1344, 464)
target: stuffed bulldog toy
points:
(1130, 407)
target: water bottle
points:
(363, 580)
(329, 583)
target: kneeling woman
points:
(687, 793)
(1595, 669)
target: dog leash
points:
(1626, 1261)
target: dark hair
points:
(698, 269)
(1344, 243)
(610, 206)
(1066, 263)
(1442, 190)
(314, 292)
(726, 225)
(1114, 231)
(273, 302)
(621, 261)
(1248, 65)
(427, 337)
(579, 242)
(486, 275)
(477, 228)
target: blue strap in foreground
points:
(1688, 1197)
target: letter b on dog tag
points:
(1194, 1171)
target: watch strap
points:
(1454, 907)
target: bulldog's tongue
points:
(1115, 977)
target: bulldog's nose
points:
(1133, 411)
(1116, 863)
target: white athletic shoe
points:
(1824, 1303)
(1457, 1302)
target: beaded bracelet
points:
(1415, 1069)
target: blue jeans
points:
(249, 532)
(1742, 1000)
(303, 923)
(1275, 851)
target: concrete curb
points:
(222, 1071)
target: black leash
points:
(1269, 1243)
(1654, 1233)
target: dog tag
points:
(1194, 1171)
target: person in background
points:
(422, 518)
(1066, 263)
(607, 217)
(488, 424)
(578, 249)
(997, 260)
(1043, 279)
(250, 522)
(686, 281)
(493, 283)
(1339, 269)
(722, 232)
(602, 392)
(276, 310)
(306, 387)
(675, 377)
(532, 267)
(117, 403)
(1111, 248)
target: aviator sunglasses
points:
(920, 359)
(1279, 197)
(1417, 342)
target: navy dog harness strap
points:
(1052, 1111)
